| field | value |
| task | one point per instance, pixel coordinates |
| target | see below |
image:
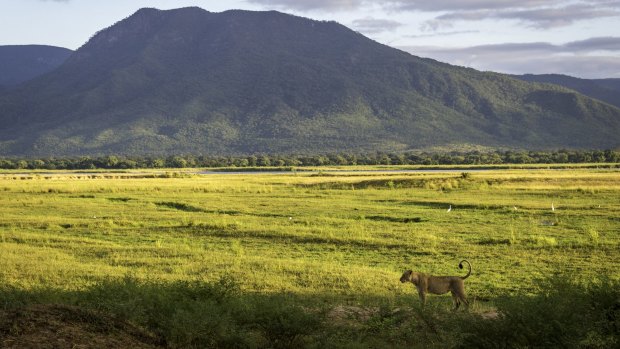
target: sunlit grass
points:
(344, 236)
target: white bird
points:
(552, 207)
(289, 218)
(449, 208)
(514, 207)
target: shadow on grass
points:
(179, 206)
(196, 314)
(206, 229)
(365, 184)
(461, 206)
(396, 219)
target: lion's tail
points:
(461, 267)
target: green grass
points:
(257, 246)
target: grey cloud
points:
(308, 5)
(533, 13)
(578, 58)
(405, 5)
(439, 34)
(432, 5)
(371, 25)
(555, 17)
(464, 5)
(608, 43)
(582, 46)
(539, 17)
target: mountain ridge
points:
(192, 81)
(606, 90)
(20, 63)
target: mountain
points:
(22, 63)
(606, 90)
(192, 81)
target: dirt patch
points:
(61, 326)
(351, 315)
(490, 315)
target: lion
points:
(439, 285)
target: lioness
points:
(439, 285)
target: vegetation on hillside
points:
(340, 159)
(189, 81)
(20, 63)
(606, 90)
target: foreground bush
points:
(194, 314)
(206, 315)
(565, 314)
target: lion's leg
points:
(422, 295)
(465, 301)
(458, 293)
(455, 300)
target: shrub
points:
(283, 323)
(564, 315)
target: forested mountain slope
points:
(606, 90)
(19, 63)
(191, 81)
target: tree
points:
(110, 161)
(264, 161)
(158, 163)
(177, 162)
(38, 164)
(612, 156)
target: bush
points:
(283, 323)
(564, 315)
(195, 314)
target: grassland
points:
(313, 246)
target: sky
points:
(574, 37)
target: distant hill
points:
(22, 63)
(606, 90)
(191, 81)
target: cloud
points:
(606, 43)
(440, 34)
(371, 25)
(406, 5)
(537, 17)
(309, 5)
(591, 58)
(542, 14)
(463, 5)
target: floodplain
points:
(309, 259)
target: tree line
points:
(266, 160)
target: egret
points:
(449, 208)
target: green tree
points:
(263, 161)
(111, 161)
(178, 162)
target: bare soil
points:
(61, 326)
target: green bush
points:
(194, 314)
(283, 323)
(565, 314)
